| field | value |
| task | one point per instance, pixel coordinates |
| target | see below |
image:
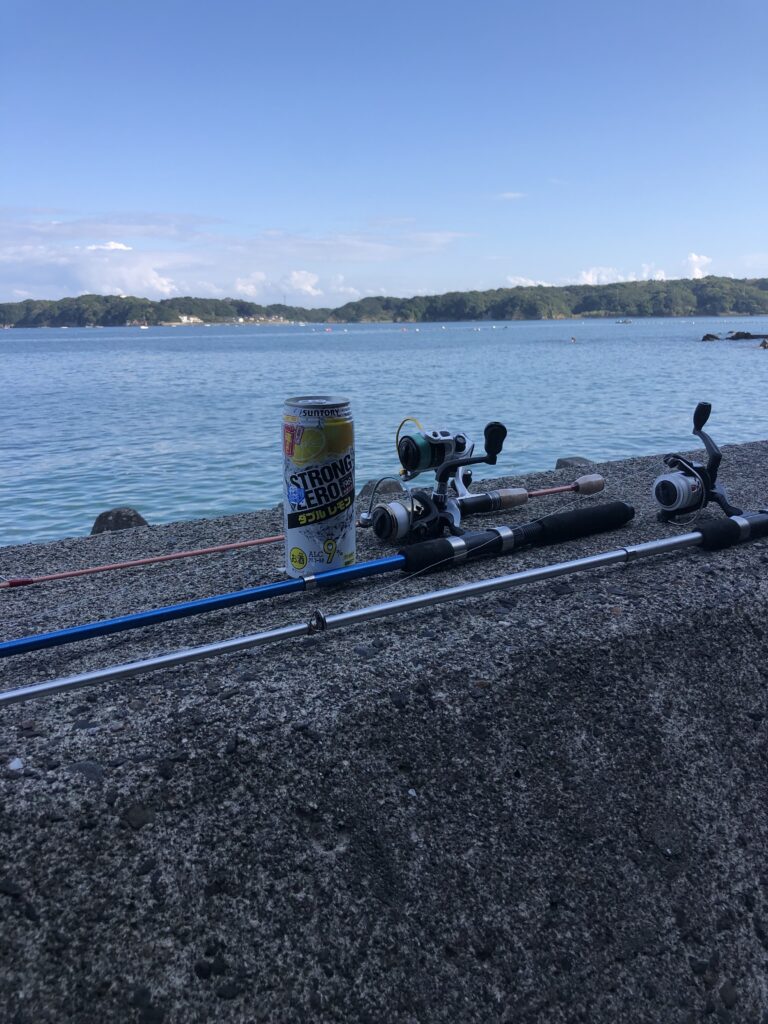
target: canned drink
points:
(318, 484)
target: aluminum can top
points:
(324, 405)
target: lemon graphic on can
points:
(339, 436)
(310, 446)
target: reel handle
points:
(494, 433)
(714, 455)
(700, 415)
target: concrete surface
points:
(546, 805)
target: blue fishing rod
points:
(711, 536)
(427, 556)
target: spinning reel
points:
(426, 515)
(431, 449)
(692, 485)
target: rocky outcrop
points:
(736, 336)
(117, 519)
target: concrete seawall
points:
(545, 805)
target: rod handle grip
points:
(554, 529)
(719, 534)
(591, 483)
(723, 533)
(442, 553)
(582, 522)
(492, 501)
(511, 497)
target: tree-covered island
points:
(707, 296)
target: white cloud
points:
(527, 282)
(50, 270)
(600, 275)
(650, 272)
(339, 287)
(183, 227)
(304, 282)
(49, 254)
(611, 275)
(697, 264)
(376, 247)
(110, 247)
(138, 276)
(32, 255)
(509, 196)
(209, 288)
(251, 286)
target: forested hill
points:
(707, 296)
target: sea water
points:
(184, 422)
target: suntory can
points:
(318, 484)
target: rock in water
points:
(118, 519)
(572, 461)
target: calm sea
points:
(183, 423)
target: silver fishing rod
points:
(711, 536)
(440, 553)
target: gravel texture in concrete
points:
(541, 805)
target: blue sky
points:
(319, 152)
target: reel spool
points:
(429, 449)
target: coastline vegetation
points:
(706, 296)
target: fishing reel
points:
(692, 485)
(430, 449)
(423, 514)
(419, 519)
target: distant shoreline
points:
(626, 300)
(352, 323)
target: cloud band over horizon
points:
(43, 256)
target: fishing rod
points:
(25, 581)
(508, 497)
(424, 557)
(711, 536)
